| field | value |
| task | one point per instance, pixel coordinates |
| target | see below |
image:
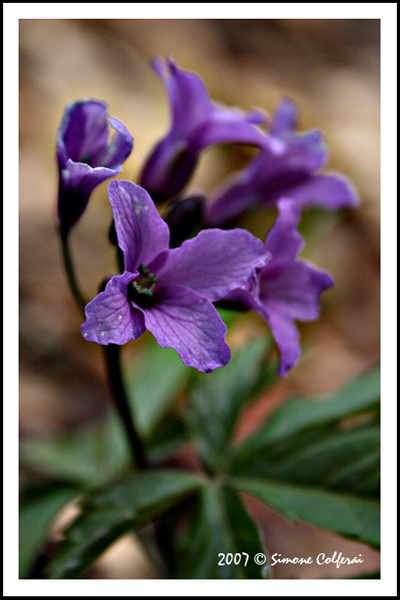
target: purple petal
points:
(293, 289)
(77, 181)
(331, 191)
(231, 125)
(188, 97)
(85, 158)
(271, 175)
(110, 317)
(285, 118)
(287, 289)
(237, 195)
(282, 326)
(141, 232)
(80, 177)
(257, 117)
(118, 150)
(183, 320)
(303, 152)
(168, 169)
(291, 292)
(283, 241)
(214, 262)
(286, 336)
(196, 122)
(173, 159)
(83, 131)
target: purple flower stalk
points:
(85, 156)
(169, 292)
(285, 289)
(287, 166)
(196, 123)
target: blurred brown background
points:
(330, 67)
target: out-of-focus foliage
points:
(39, 504)
(316, 461)
(114, 510)
(217, 524)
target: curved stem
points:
(112, 353)
(69, 269)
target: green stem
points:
(69, 269)
(112, 353)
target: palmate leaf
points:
(38, 507)
(217, 399)
(313, 469)
(109, 513)
(219, 541)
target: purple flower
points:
(169, 292)
(196, 123)
(288, 165)
(285, 289)
(85, 156)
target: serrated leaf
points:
(39, 505)
(354, 517)
(217, 399)
(91, 455)
(220, 540)
(155, 380)
(109, 513)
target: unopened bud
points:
(183, 217)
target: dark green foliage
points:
(315, 461)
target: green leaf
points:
(351, 516)
(91, 455)
(346, 460)
(39, 506)
(109, 513)
(166, 438)
(156, 379)
(219, 533)
(295, 416)
(217, 399)
(315, 462)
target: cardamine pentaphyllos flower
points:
(86, 157)
(286, 289)
(196, 123)
(287, 166)
(170, 292)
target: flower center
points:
(141, 289)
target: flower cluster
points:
(171, 290)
